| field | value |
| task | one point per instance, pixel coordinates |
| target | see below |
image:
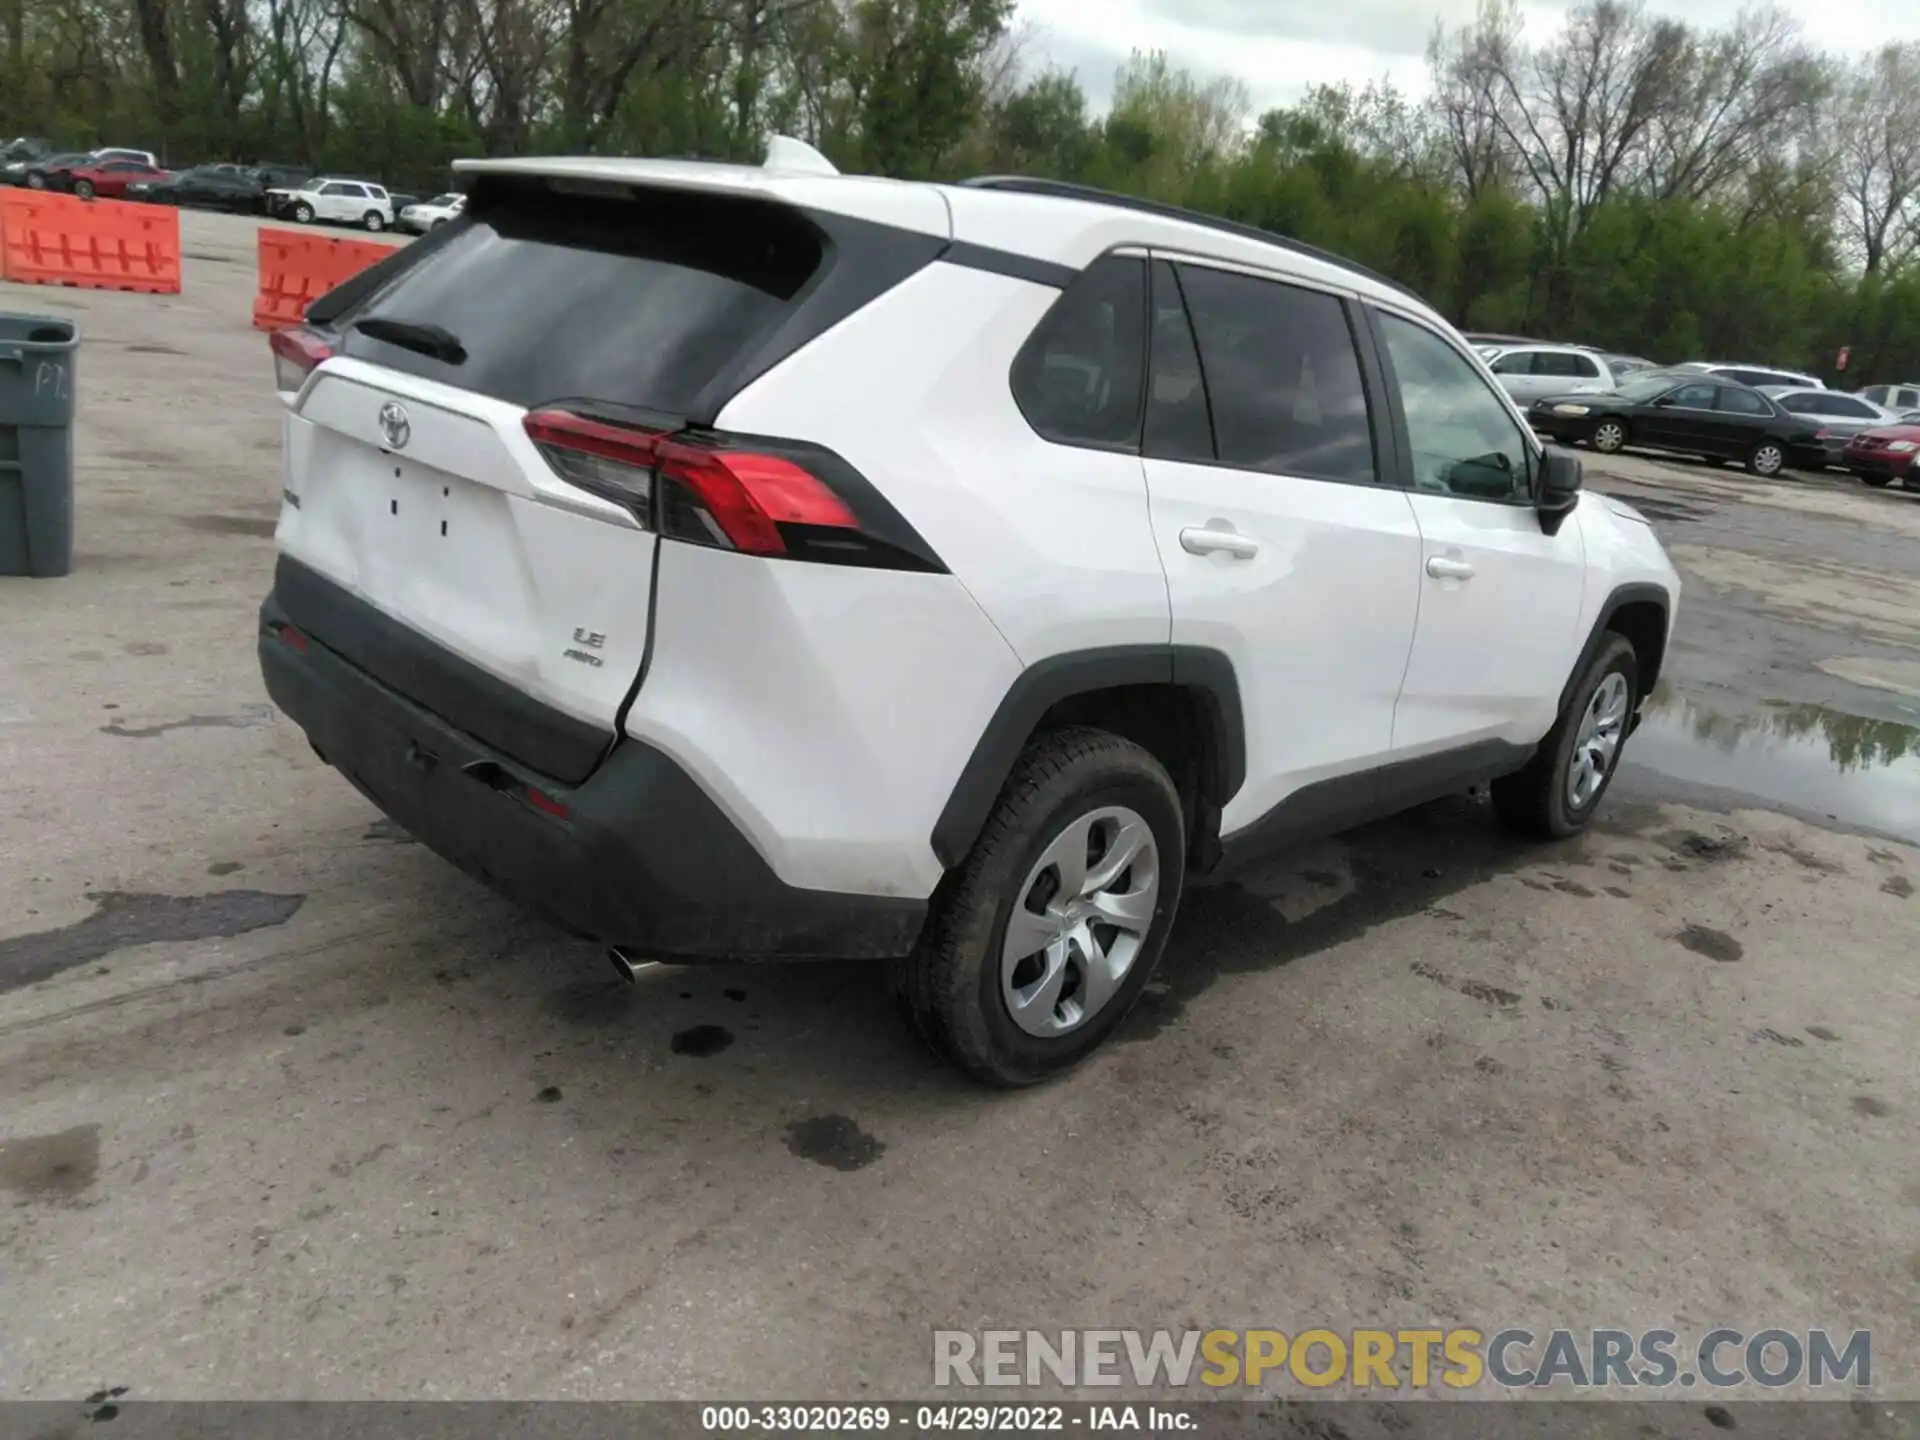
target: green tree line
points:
(1631, 181)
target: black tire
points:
(1609, 435)
(1767, 459)
(950, 987)
(303, 213)
(374, 221)
(1534, 801)
(83, 188)
(1876, 481)
(36, 182)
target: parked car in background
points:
(431, 214)
(107, 179)
(1756, 375)
(216, 187)
(1627, 364)
(340, 202)
(1527, 372)
(33, 173)
(1883, 454)
(112, 152)
(1903, 396)
(1840, 417)
(1718, 420)
(1477, 338)
(23, 148)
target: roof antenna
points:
(796, 156)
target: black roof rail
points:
(1067, 190)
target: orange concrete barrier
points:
(50, 239)
(297, 268)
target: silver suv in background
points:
(1898, 398)
(1528, 372)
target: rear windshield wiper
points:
(418, 335)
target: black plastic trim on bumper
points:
(643, 858)
(520, 727)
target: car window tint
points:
(1694, 397)
(1077, 379)
(1283, 379)
(1464, 440)
(1846, 407)
(1585, 367)
(1515, 363)
(641, 301)
(1178, 425)
(1908, 399)
(1741, 402)
(1557, 362)
(332, 188)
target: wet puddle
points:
(1858, 771)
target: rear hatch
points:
(413, 485)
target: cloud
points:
(1280, 47)
(1381, 27)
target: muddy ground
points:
(293, 1109)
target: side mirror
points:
(1559, 488)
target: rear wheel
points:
(83, 188)
(1040, 942)
(1876, 481)
(303, 212)
(374, 220)
(1609, 436)
(1560, 788)
(1767, 458)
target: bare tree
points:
(1740, 98)
(1577, 111)
(1874, 149)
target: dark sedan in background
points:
(218, 187)
(1680, 410)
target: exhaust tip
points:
(623, 962)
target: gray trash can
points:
(37, 354)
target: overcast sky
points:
(1279, 47)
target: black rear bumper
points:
(636, 854)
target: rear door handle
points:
(1441, 568)
(1196, 540)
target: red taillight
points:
(738, 497)
(291, 637)
(296, 354)
(546, 804)
(1823, 434)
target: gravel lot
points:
(294, 1109)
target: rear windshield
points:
(637, 301)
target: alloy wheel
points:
(1767, 460)
(1609, 436)
(1079, 921)
(1596, 745)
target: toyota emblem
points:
(395, 428)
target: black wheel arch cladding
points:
(1204, 675)
(1610, 620)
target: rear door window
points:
(1282, 376)
(1078, 377)
(635, 302)
(1742, 402)
(1516, 363)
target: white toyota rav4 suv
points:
(768, 563)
